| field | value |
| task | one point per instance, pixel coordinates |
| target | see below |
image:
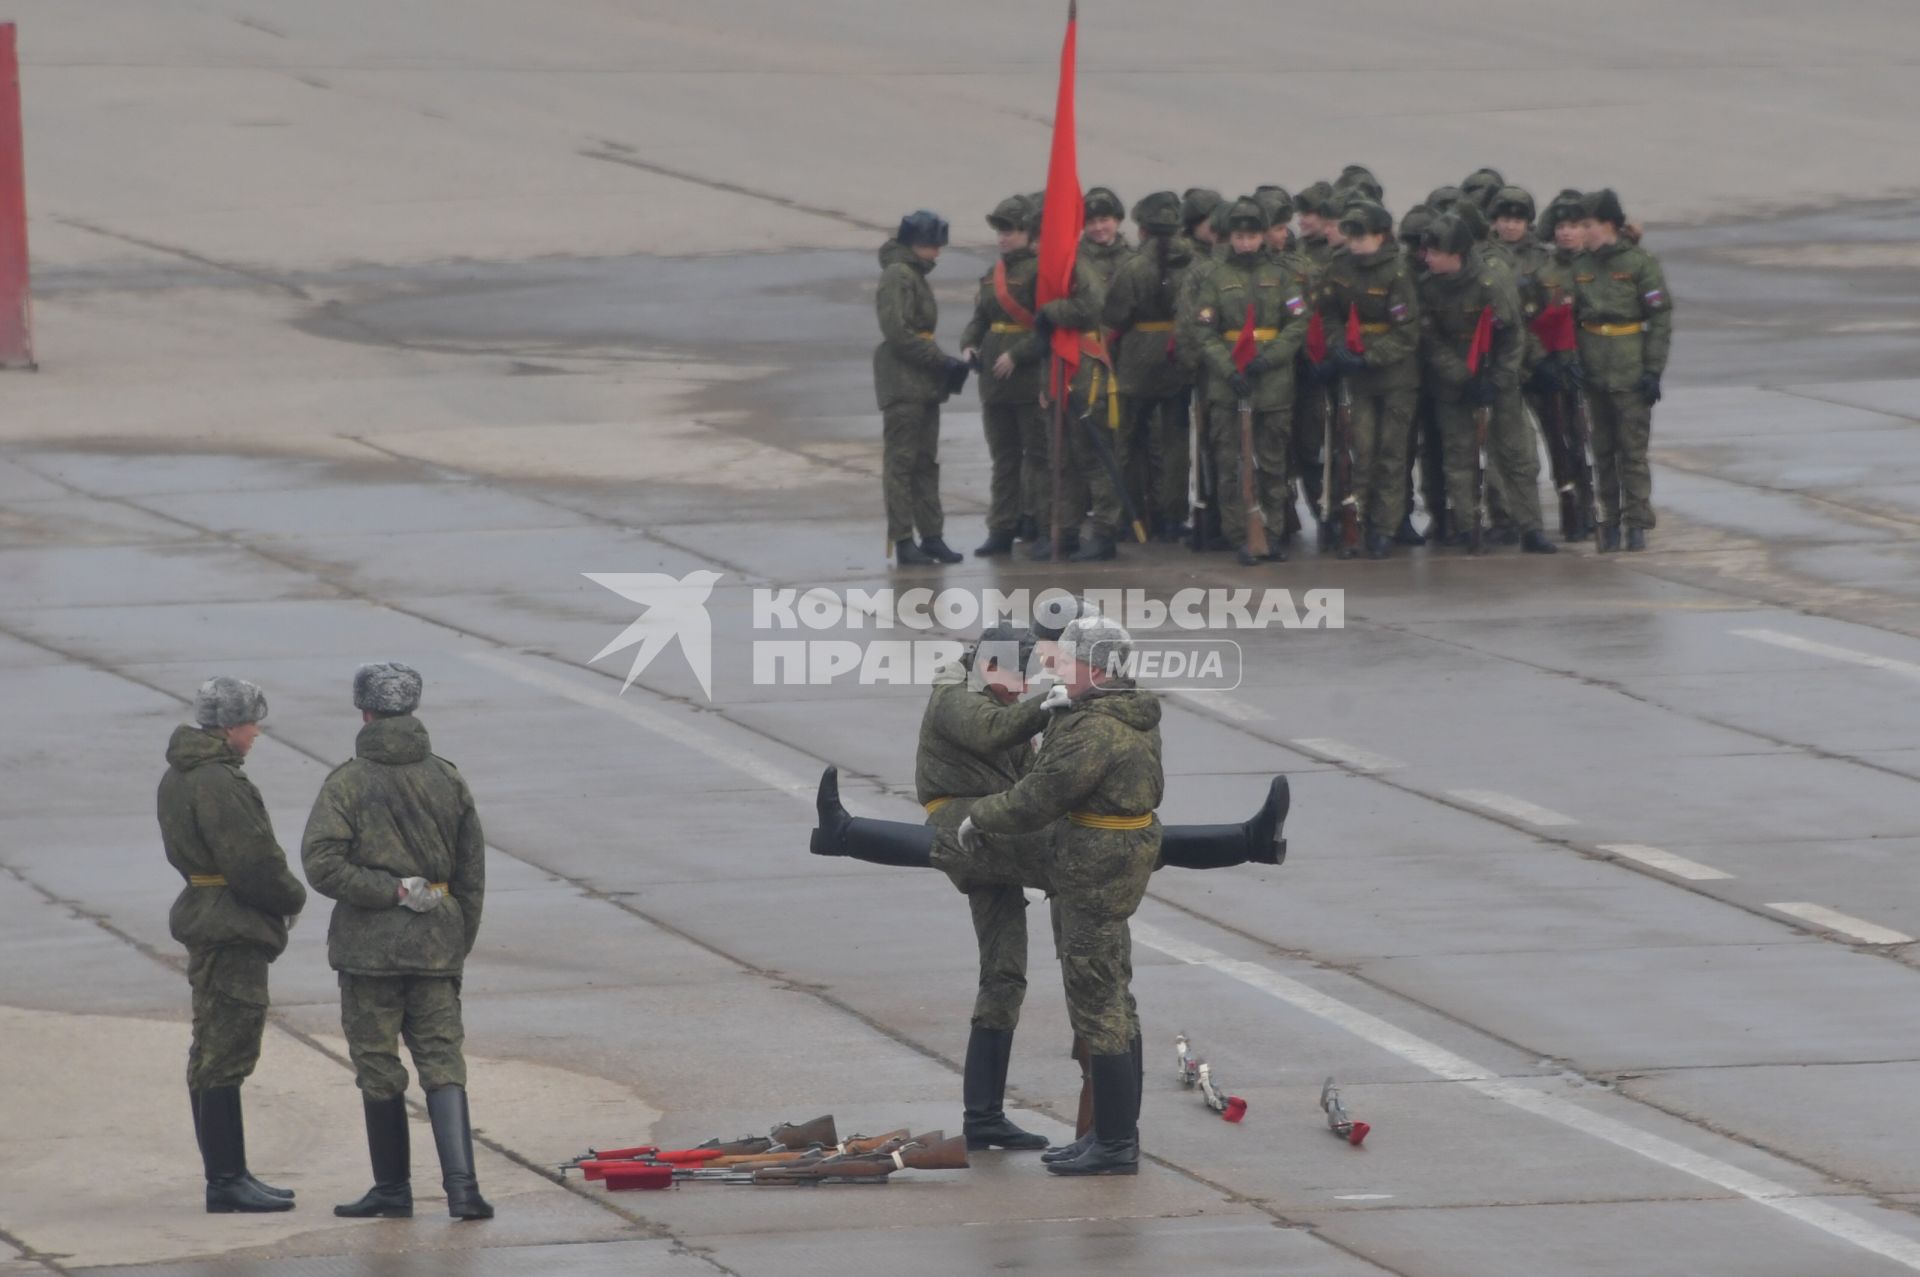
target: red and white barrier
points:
(16, 314)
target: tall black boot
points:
(223, 1150)
(389, 1147)
(1116, 1128)
(258, 1183)
(1222, 846)
(983, 1089)
(453, 1137)
(1083, 1116)
(879, 842)
(1139, 1075)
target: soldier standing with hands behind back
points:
(912, 377)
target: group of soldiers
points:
(395, 841)
(1232, 364)
(1075, 818)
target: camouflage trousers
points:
(1426, 447)
(377, 1011)
(1099, 878)
(994, 877)
(1513, 464)
(1092, 435)
(1272, 457)
(1382, 422)
(1622, 429)
(1156, 435)
(910, 469)
(229, 1014)
(1008, 427)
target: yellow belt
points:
(438, 886)
(206, 880)
(1154, 326)
(936, 804)
(1004, 327)
(1090, 820)
(928, 334)
(1259, 334)
(1614, 330)
(1375, 330)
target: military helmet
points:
(1470, 213)
(1480, 185)
(1013, 213)
(1159, 213)
(1441, 199)
(1247, 215)
(1365, 217)
(922, 228)
(1197, 205)
(1565, 208)
(1449, 234)
(1359, 178)
(1603, 206)
(1414, 223)
(1313, 197)
(1512, 201)
(1102, 202)
(1276, 204)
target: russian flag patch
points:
(1654, 297)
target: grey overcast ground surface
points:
(367, 328)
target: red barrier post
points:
(16, 318)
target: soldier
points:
(1155, 387)
(1090, 482)
(1284, 247)
(1443, 199)
(1251, 278)
(1099, 767)
(1626, 330)
(999, 344)
(912, 377)
(1481, 185)
(233, 916)
(1373, 281)
(1200, 209)
(1101, 246)
(1458, 288)
(1311, 203)
(1356, 181)
(395, 841)
(1424, 444)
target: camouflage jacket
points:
(213, 824)
(972, 745)
(1278, 297)
(1023, 271)
(1380, 285)
(1140, 310)
(908, 367)
(1450, 307)
(395, 811)
(1105, 260)
(1620, 286)
(1528, 256)
(1100, 757)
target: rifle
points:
(626, 1176)
(1340, 469)
(1554, 327)
(1477, 352)
(1202, 483)
(1338, 1120)
(1243, 353)
(1110, 462)
(932, 1152)
(1560, 456)
(786, 1135)
(1584, 487)
(858, 1144)
(1196, 1072)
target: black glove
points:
(957, 371)
(1543, 380)
(1241, 386)
(1347, 362)
(1572, 374)
(1480, 392)
(1649, 387)
(973, 360)
(1043, 328)
(1321, 372)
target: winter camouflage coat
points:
(1619, 286)
(1140, 309)
(396, 811)
(907, 366)
(213, 823)
(971, 745)
(1450, 307)
(1381, 287)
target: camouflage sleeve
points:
(1656, 305)
(976, 330)
(1079, 311)
(1068, 769)
(1121, 298)
(1210, 345)
(1510, 333)
(1281, 351)
(892, 302)
(468, 884)
(233, 821)
(1401, 341)
(1439, 361)
(325, 850)
(980, 725)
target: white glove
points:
(969, 836)
(419, 895)
(1057, 697)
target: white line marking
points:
(1794, 643)
(1521, 1094)
(672, 725)
(1843, 923)
(1352, 755)
(1222, 703)
(1508, 805)
(1363, 1197)
(1664, 861)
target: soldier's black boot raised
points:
(996, 544)
(1116, 1128)
(1223, 846)
(908, 555)
(223, 1151)
(878, 842)
(453, 1137)
(390, 1150)
(983, 1090)
(939, 551)
(1535, 542)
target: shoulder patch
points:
(1376, 292)
(1624, 274)
(1584, 279)
(1397, 312)
(1296, 305)
(1655, 298)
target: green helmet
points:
(1013, 213)
(1197, 205)
(1365, 217)
(1247, 215)
(1276, 204)
(1102, 202)
(1511, 201)
(1159, 214)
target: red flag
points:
(1554, 327)
(1245, 349)
(1316, 339)
(1064, 216)
(1354, 341)
(1482, 340)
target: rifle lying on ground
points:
(1196, 1072)
(705, 1158)
(788, 1135)
(1337, 1119)
(938, 1154)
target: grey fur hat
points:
(228, 702)
(1099, 642)
(386, 688)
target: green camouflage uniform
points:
(214, 825)
(1086, 484)
(1010, 413)
(1100, 759)
(1450, 307)
(972, 745)
(1616, 287)
(397, 811)
(1154, 385)
(1311, 411)
(1381, 285)
(910, 381)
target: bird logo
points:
(671, 607)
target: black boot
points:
(878, 842)
(1636, 538)
(1083, 1115)
(1042, 548)
(453, 1137)
(1535, 542)
(1405, 534)
(983, 1089)
(1248, 559)
(1176, 530)
(1223, 846)
(1027, 529)
(907, 555)
(1098, 549)
(1609, 538)
(1116, 1127)
(939, 551)
(1377, 545)
(1276, 550)
(264, 1187)
(223, 1151)
(389, 1148)
(996, 544)
(1437, 529)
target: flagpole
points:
(1056, 451)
